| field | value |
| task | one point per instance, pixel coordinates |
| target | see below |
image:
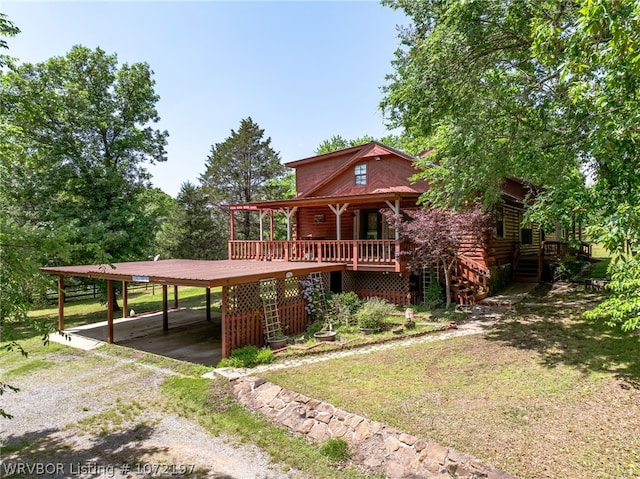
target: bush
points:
(343, 307)
(373, 312)
(247, 357)
(433, 295)
(335, 449)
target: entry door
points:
(370, 224)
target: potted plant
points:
(278, 340)
(326, 333)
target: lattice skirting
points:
(243, 322)
(394, 287)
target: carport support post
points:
(165, 307)
(125, 300)
(208, 304)
(110, 311)
(61, 302)
(225, 346)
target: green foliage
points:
(433, 295)
(373, 312)
(344, 306)
(242, 169)
(336, 449)
(193, 229)
(78, 130)
(622, 307)
(247, 357)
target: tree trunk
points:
(447, 283)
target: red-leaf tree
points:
(437, 235)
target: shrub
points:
(433, 295)
(344, 306)
(335, 449)
(373, 312)
(247, 357)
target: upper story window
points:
(499, 222)
(361, 174)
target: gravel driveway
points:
(84, 414)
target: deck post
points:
(208, 295)
(355, 255)
(175, 296)
(110, 311)
(165, 307)
(270, 225)
(125, 299)
(61, 302)
(225, 340)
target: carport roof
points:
(187, 272)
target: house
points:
(336, 217)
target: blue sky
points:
(304, 71)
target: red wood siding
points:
(310, 174)
(388, 172)
(309, 224)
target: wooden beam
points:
(125, 299)
(110, 311)
(165, 308)
(61, 302)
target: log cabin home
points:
(336, 217)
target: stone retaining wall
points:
(374, 445)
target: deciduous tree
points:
(85, 124)
(436, 235)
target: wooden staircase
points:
(527, 270)
(469, 281)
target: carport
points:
(239, 324)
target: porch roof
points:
(383, 194)
(186, 272)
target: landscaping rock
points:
(375, 446)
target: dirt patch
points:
(92, 416)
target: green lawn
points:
(545, 394)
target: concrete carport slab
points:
(191, 337)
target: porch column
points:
(175, 296)
(263, 213)
(110, 311)
(125, 299)
(232, 234)
(61, 302)
(338, 210)
(165, 312)
(270, 225)
(288, 213)
(396, 210)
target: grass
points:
(124, 405)
(89, 310)
(544, 394)
(212, 405)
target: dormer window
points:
(361, 174)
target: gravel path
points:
(81, 415)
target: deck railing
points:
(356, 253)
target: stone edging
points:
(374, 445)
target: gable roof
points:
(357, 153)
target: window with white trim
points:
(361, 174)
